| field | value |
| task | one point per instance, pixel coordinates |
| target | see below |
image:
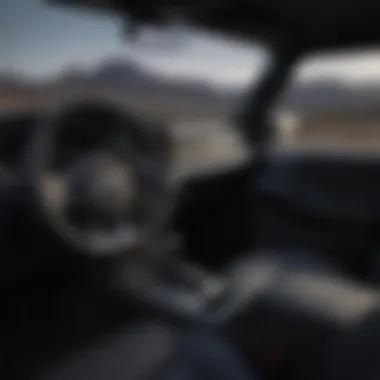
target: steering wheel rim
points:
(41, 148)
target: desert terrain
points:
(323, 113)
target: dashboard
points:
(105, 164)
(197, 148)
(207, 162)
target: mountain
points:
(148, 92)
(332, 95)
(123, 81)
(127, 76)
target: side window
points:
(332, 103)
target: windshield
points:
(187, 78)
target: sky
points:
(38, 40)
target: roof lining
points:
(356, 24)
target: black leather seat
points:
(354, 355)
(296, 306)
(156, 352)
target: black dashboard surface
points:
(15, 131)
(320, 203)
(334, 187)
(298, 200)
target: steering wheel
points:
(113, 195)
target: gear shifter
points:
(172, 286)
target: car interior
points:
(278, 256)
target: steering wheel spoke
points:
(56, 192)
